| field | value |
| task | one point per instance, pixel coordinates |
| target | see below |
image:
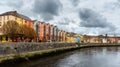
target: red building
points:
(42, 30)
(29, 23)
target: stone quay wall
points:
(25, 47)
(16, 48)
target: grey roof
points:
(14, 13)
(24, 17)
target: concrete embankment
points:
(30, 55)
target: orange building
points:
(42, 30)
(47, 32)
(29, 23)
(14, 16)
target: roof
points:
(14, 13)
(101, 36)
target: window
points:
(22, 20)
(1, 38)
(4, 18)
(0, 23)
(15, 18)
(0, 29)
(8, 17)
(25, 21)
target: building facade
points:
(42, 30)
(14, 16)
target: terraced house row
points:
(46, 32)
(100, 39)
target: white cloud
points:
(67, 18)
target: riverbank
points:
(34, 55)
(21, 57)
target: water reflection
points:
(92, 57)
(88, 57)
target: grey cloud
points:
(1, 4)
(118, 1)
(47, 9)
(65, 21)
(16, 3)
(12, 3)
(75, 2)
(92, 19)
(116, 4)
(113, 5)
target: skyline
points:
(79, 16)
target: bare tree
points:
(29, 32)
(12, 28)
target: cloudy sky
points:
(79, 16)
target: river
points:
(87, 57)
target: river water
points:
(87, 57)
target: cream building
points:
(14, 16)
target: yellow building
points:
(70, 38)
(14, 16)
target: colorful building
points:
(70, 38)
(36, 28)
(100, 39)
(14, 16)
(55, 33)
(51, 33)
(42, 30)
(59, 36)
(64, 35)
(78, 38)
(48, 33)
